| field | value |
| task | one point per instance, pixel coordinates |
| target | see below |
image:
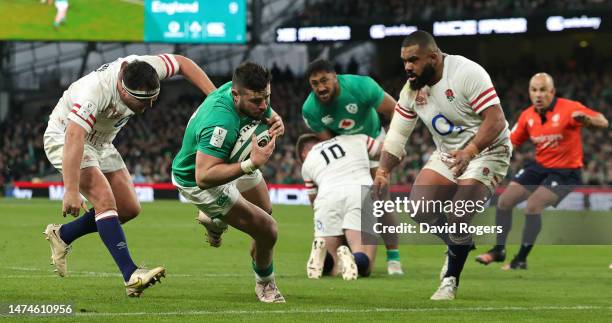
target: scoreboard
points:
(195, 21)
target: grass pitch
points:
(98, 20)
(563, 283)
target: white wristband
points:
(248, 167)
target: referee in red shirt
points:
(553, 124)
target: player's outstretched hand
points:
(72, 204)
(277, 127)
(260, 155)
(381, 184)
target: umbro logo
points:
(121, 245)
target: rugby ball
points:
(242, 147)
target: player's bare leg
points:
(122, 186)
(460, 242)
(257, 194)
(97, 189)
(540, 199)
(430, 185)
(252, 220)
(394, 265)
(128, 208)
(514, 194)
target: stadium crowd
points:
(401, 11)
(150, 141)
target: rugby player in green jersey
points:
(228, 193)
(350, 104)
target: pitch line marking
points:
(105, 274)
(375, 310)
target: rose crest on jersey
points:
(450, 96)
(352, 108)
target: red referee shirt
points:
(557, 141)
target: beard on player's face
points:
(423, 79)
(250, 110)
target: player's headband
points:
(141, 95)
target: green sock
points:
(263, 273)
(393, 255)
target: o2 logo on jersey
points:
(443, 126)
(346, 124)
(121, 122)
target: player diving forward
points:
(334, 172)
(456, 100)
(204, 176)
(78, 142)
(345, 105)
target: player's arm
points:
(387, 106)
(374, 148)
(212, 171)
(402, 124)
(311, 186)
(169, 65)
(313, 121)
(192, 72)
(493, 123)
(74, 144)
(311, 198)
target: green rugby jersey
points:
(213, 129)
(353, 111)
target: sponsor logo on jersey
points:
(547, 140)
(530, 122)
(346, 124)
(450, 96)
(327, 119)
(485, 171)
(352, 108)
(218, 137)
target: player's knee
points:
(534, 207)
(271, 231)
(128, 213)
(505, 203)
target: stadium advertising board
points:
(469, 27)
(599, 199)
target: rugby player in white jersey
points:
(456, 100)
(78, 142)
(334, 172)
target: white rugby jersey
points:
(339, 162)
(93, 101)
(451, 107)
